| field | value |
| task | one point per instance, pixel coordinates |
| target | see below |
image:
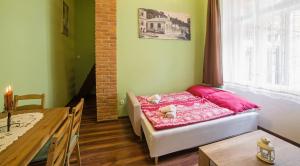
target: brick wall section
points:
(106, 76)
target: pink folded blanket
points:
(188, 112)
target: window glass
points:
(261, 43)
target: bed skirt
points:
(163, 142)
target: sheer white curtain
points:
(261, 44)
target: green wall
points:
(34, 56)
(84, 39)
(147, 66)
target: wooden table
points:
(241, 150)
(22, 151)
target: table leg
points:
(203, 159)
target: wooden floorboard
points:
(113, 143)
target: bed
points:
(162, 142)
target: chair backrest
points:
(40, 97)
(77, 113)
(59, 144)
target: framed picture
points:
(156, 24)
(65, 19)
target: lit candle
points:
(8, 98)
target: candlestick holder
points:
(8, 110)
(8, 121)
(8, 105)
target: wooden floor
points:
(113, 143)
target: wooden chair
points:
(40, 97)
(74, 132)
(59, 144)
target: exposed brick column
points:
(106, 75)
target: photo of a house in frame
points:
(156, 24)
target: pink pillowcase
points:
(202, 91)
(231, 101)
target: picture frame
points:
(158, 24)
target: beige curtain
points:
(212, 72)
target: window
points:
(261, 43)
(159, 25)
(151, 25)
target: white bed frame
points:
(166, 141)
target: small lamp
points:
(265, 151)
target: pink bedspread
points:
(190, 110)
(167, 99)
